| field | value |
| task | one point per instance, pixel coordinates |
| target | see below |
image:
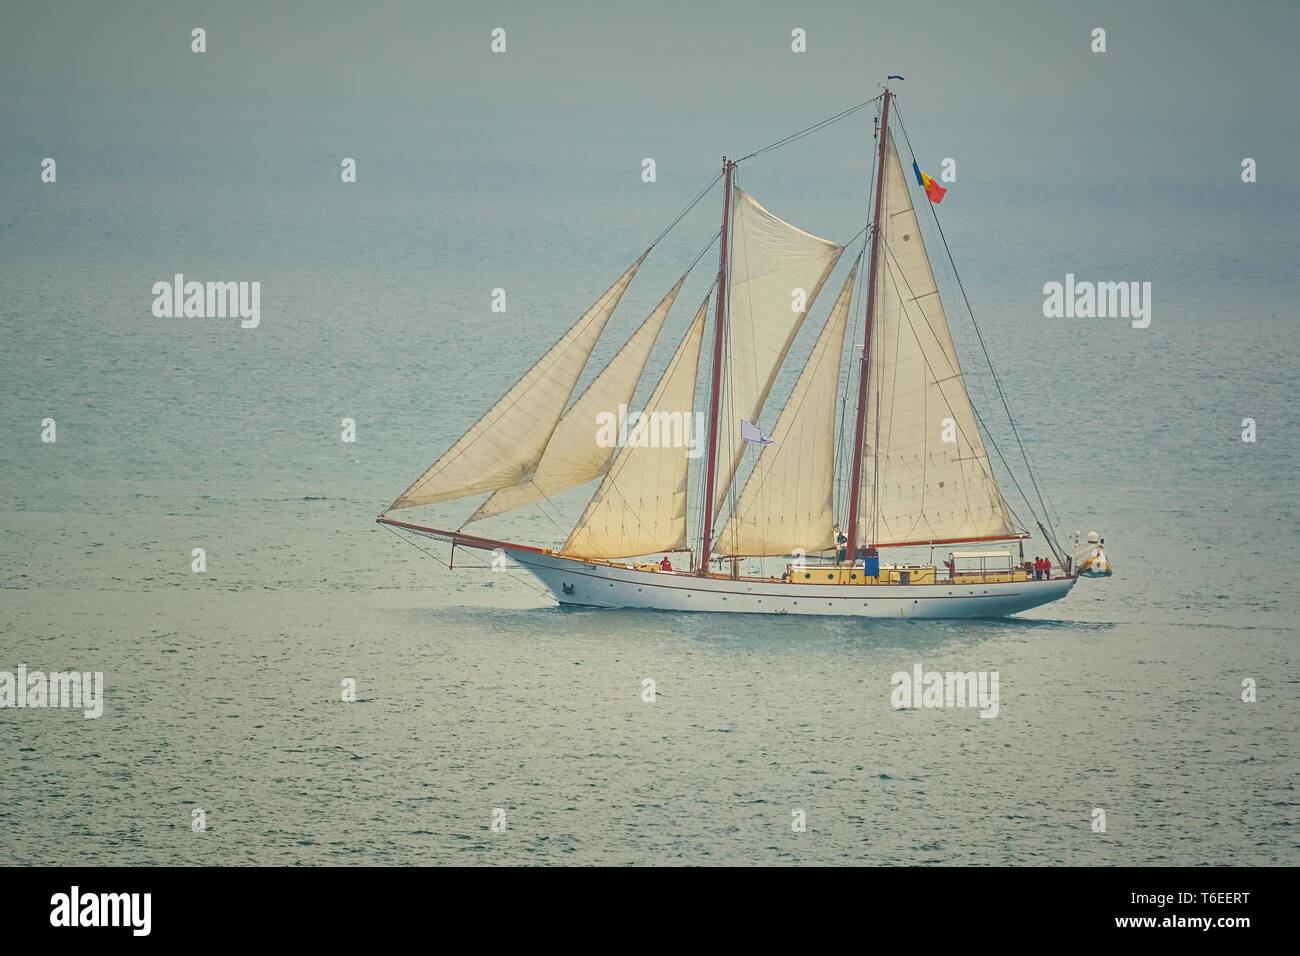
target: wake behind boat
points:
(908, 469)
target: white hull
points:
(599, 585)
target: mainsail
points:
(775, 268)
(573, 455)
(928, 476)
(640, 507)
(504, 446)
(787, 502)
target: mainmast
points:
(716, 386)
(855, 482)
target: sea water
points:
(491, 726)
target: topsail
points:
(787, 502)
(776, 272)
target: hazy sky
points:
(1178, 78)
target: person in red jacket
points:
(1047, 568)
(1038, 568)
(665, 564)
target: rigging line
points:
(978, 418)
(811, 129)
(758, 478)
(620, 459)
(734, 487)
(548, 499)
(988, 361)
(417, 547)
(702, 383)
(431, 473)
(729, 498)
(992, 441)
(925, 358)
(478, 563)
(845, 376)
(680, 216)
(546, 447)
(725, 433)
(846, 464)
(707, 246)
(545, 498)
(987, 358)
(860, 232)
(691, 205)
(932, 371)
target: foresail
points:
(787, 502)
(504, 446)
(927, 476)
(640, 507)
(574, 454)
(775, 269)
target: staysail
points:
(504, 446)
(787, 503)
(927, 476)
(776, 272)
(573, 455)
(640, 507)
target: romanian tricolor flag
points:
(932, 189)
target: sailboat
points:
(909, 469)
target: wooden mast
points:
(716, 387)
(855, 482)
